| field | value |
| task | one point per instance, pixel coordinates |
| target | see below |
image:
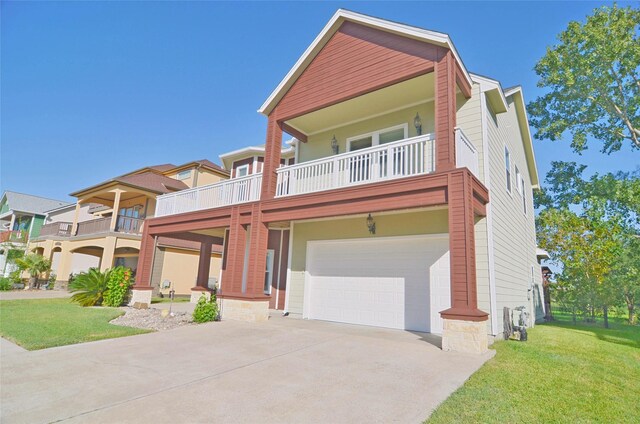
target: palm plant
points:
(89, 287)
(35, 265)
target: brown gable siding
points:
(356, 60)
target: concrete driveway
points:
(285, 370)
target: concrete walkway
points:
(286, 371)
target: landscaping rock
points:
(152, 319)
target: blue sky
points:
(91, 90)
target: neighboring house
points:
(21, 218)
(409, 203)
(104, 227)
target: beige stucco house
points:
(103, 228)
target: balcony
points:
(230, 192)
(400, 159)
(18, 236)
(59, 229)
(124, 224)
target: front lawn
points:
(42, 323)
(564, 373)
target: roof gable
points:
(356, 59)
(31, 204)
(341, 16)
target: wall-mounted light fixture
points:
(371, 225)
(417, 122)
(334, 145)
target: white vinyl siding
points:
(469, 119)
(513, 232)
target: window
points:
(375, 138)
(507, 165)
(518, 178)
(131, 211)
(522, 191)
(242, 171)
(268, 273)
(183, 175)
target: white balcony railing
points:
(404, 158)
(466, 153)
(228, 192)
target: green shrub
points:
(89, 287)
(5, 284)
(206, 310)
(14, 277)
(117, 287)
(52, 281)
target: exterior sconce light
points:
(334, 145)
(417, 122)
(371, 225)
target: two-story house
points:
(21, 219)
(103, 228)
(407, 205)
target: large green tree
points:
(590, 228)
(593, 80)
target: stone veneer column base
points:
(140, 296)
(245, 310)
(197, 293)
(465, 336)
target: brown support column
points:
(445, 112)
(464, 326)
(272, 153)
(462, 253)
(204, 265)
(257, 255)
(234, 256)
(141, 291)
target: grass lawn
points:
(42, 323)
(562, 374)
(167, 300)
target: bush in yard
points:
(89, 287)
(117, 286)
(52, 281)
(35, 265)
(5, 284)
(206, 310)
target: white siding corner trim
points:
(490, 247)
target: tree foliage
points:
(590, 228)
(34, 264)
(593, 78)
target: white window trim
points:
(523, 190)
(270, 271)
(508, 172)
(375, 135)
(235, 173)
(518, 178)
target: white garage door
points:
(394, 282)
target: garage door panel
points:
(383, 282)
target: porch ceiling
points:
(395, 97)
(215, 232)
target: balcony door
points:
(367, 167)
